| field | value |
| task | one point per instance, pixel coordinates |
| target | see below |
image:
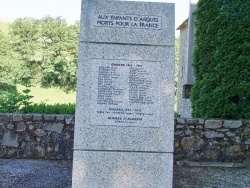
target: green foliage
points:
(51, 109)
(222, 59)
(46, 50)
(25, 98)
(13, 101)
(10, 64)
(37, 52)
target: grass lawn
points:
(50, 95)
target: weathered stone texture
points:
(60, 117)
(10, 139)
(192, 143)
(213, 134)
(54, 139)
(53, 127)
(247, 141)
(21, 127)
(5, 117)
(37, 117)
(213, 124)
(17, 117)
(36, 136)
(49, 117)
(68, 120)
(232, 124)
(211, 140)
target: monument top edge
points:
(141, 1)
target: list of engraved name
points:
(111, 93)
(125, 92)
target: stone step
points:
(212, 164)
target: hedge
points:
(221, 60)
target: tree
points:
(60, 43)
(222, 60)
(10, 64)
(49, 49)
(25, 43)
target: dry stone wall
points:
(211, 140)
(51, 137)
(36, 136)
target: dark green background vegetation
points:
(40, 51)
(37, 52)
(222, 59)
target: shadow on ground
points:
(20, 173)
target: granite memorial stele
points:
(125, 95)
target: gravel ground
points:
(20, 173)
(211, 177)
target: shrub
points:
(13, 101)
(222, 60)
(50, 109)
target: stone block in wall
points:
(53, 127)
(181, 121)
(237, 139)
(10, 139)
(212, 154)
(178, 133)
(31, 127)
(50, 149)
(188, 132)
(213, 134)
(213, 124)
(192, 121)
(247, 141)
(60, 117)
(40, 132)
(37, 117)
(20, 127)
(176, 143)
(230, 134)
(49, 117)
(28, 117)
(247, 123)
(191, 127)
(232, 124)
(17, 117)
(246, 131)
(5, 117)
(68, 120)
(180, 126)
(235, 149)
(2, 130)
(192, 155)
(40, 151)
(199, 127)
(10, 126)
(179, 154)
(201, 121)
(192, 143)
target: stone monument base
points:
(99, 169)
